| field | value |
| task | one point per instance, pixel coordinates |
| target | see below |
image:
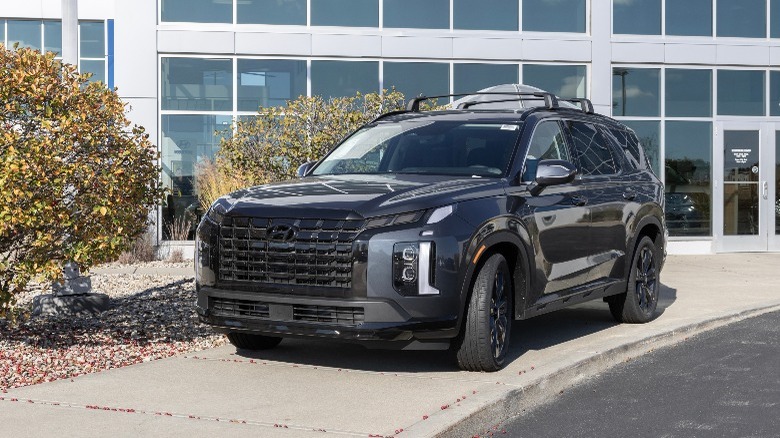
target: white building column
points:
(70, 32)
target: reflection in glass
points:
(416, 78)
(688, 180)
(271, 12)
(52, 36)
(637, 17)
(566, 81)
(197, 11)
(25, 32)
(554, 16)
(740, 186)
(264, 82)
(741, 92)
(475, 77)
(649, 134)
(96, 67)
(92, 39)
(485, 14)
(741, 18)
(689, 17)
(636, 92)
(774, 92)
(344, 78)
(774, 20)
(359, 13)
(428, 14)
(197, 84)
(186, 140)
(688, 93)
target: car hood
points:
(358, 196)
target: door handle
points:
(765, 190)
(629, 194)
(579, 201)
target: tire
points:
(484, 340)
(639, 303)
(247, 341)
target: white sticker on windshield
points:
(509, 127)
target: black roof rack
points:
(550, 100)
(585, 104)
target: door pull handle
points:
(629, 194)
(579, 201)
(765, 190)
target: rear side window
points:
(591, 150)
(628, 143)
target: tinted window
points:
(475, 77)
(92, 39)
(774, 95)
(688, 178)
(25, 32)
(742, 18)
(271, 11)
(688, 93)
(566, 81)
(648, 134)
(741, 93)
(554, 16)
(774, 22)
(636, 92)
(360, 13)
(689, 17)
(591, 150)
(641, 17)
(97, 68)
(628, 143)
(197, 11)
(485, 14)
(52, 36)
(197, 84)
(416, 78)
(547, 143)
(344, 78)
(269, 82)
(428, 14)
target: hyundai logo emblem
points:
(281, 233)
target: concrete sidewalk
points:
(322, 388)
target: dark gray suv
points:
(437, 229)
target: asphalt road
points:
(723, 383)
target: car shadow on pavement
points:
(533, 334)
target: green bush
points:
(77, 180)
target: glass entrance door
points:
(747, 209)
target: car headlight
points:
(414, 266)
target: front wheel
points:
(640, 301)
(485, 339)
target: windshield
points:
(426, 147)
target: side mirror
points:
(551, 173)
(304, 168)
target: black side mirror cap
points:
(551, 173)
(304, 168)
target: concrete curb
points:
(488, 410)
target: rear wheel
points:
(248, 341)
(640, 301)
(484, 342)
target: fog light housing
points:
(413, 268)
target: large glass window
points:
(52, 36)
(741, 93)
(428, 14)
(197, 11)
(344, 78)
(649, 134)
(271, 12)
(25, 32)
(689, 17)
(639, 17)
(742, 18)
(485, 14)
(195, 84)
(688, 178)
(360, 13)
(416, 78)
(475, 77)
(636, 92)
(264, 82)
(566, 81)
(774, 94)
(187, 140)
(688, 93)
(774, 19)
(554, 16)
(92, 49)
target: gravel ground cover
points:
(151, 317)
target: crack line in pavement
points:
(184, 416)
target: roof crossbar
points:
(550, 101)
(585, 104)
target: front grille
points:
(333, 315)
(319, 253)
